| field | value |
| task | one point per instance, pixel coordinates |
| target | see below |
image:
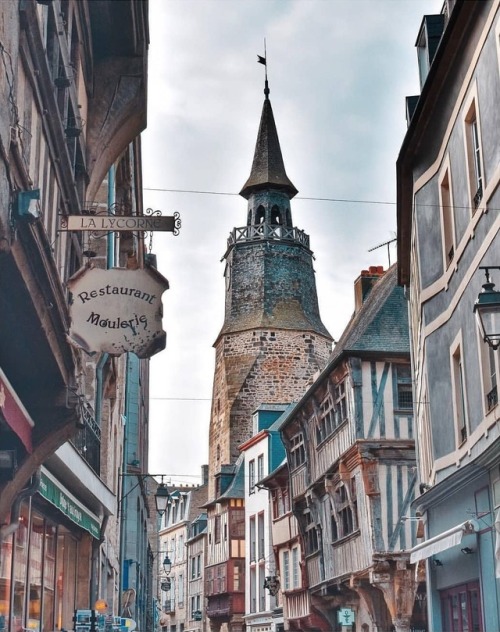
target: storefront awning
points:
(443, 541)
(14, 413)
(61, 498)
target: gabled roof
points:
(381, 324)
(268, 168)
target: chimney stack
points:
(364, 283)
(204, 474)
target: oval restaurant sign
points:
(117, 310)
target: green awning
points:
(61, 498)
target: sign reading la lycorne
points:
(117, 223)
(116, 311)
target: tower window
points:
(275, 215)
(260, 215)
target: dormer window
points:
(427, 43)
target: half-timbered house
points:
(351, 457)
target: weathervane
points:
(263, 61)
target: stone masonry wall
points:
(255, 367)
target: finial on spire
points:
(263, 61)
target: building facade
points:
(182, 540)
(351, 455)
(448, 227)
(73, 97)
(262, 453)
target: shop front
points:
(46, 565)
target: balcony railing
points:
(258, 232)
(492, 398)
(88, 438)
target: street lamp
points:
(167, 565)
(487, 310)
(161, 498)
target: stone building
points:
(448, 229)
(272, 341)
(270, 346)
(72, 103)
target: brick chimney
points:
(364, 283)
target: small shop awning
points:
(443, 541)
(53, 491)
(14, 413)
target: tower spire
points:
(268, 168)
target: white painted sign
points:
(116, 311)
(117, 223)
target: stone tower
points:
(272, 341)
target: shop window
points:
(461, 608)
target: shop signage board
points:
(63, 501)
(117, 311)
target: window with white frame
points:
(459, 393)
(447, 217)
(253, 539)
(404, 387)
(180, 590)
(474, 154)
(260, 467)
(295, 567)
(286, 570)
(251, 476)
(260, 536)
(425, 434)
(297, 451)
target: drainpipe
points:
(110, 259)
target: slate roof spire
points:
(268, 168)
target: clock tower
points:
(272, 341)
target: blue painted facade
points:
(448, 226)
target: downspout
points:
(122, 498)
(110, 259)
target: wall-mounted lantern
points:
(487, 310)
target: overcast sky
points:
(338, 72)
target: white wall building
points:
(262, 453)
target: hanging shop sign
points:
(117, 223)
(117, 311)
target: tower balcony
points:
(272, 232)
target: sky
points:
(339, 71)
